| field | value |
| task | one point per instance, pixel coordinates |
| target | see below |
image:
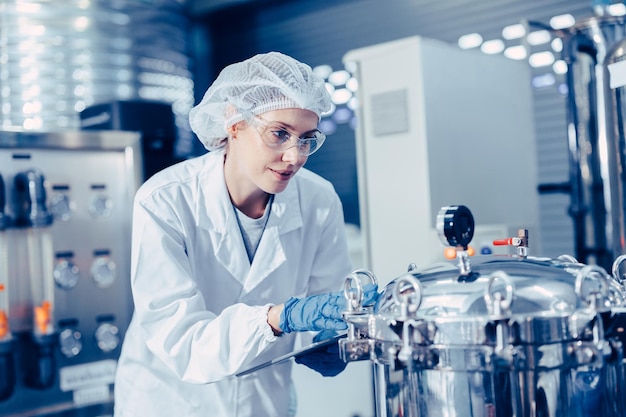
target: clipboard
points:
(294, 354)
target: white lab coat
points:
(201, 307)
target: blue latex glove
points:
(325, 360)
(320, 312)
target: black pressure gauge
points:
(455, 226)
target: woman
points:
(221, 241)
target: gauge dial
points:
(70, 342)
(61, 207)
(103, 271)
(107, 337)
(66, 274)
(100, 206)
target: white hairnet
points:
(257, 85)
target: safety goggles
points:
(280, 139)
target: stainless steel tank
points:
(494, 335)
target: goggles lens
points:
(277, 137)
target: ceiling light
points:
(617, 9)
(539, 37)
(341, 96)
(562, 21)
(323, 71)
(494, 46)
(557, 44)
(513, 31)
(469, 41)
(559, 67)
(352, 84)
(541, 59)
(515, 52)
(339, 77)
(543, 80)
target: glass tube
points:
(5, 333)
(41, 264)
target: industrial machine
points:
(493, 335)
(65, 300)
(595, 52)
(154, 120)
(438, 124)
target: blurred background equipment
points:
(155, 121)
(440, 124)
(65, 298)
(595, 52)
(59, 58)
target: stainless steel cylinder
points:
(595, 130)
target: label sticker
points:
(617, 74)
(87, 375)
(95, 394)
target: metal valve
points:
(520, 242)
(356, 346)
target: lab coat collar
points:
(215, 214)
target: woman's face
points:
(259, 166)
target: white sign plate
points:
(95, 394)
(617, 72)
(88, 374)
